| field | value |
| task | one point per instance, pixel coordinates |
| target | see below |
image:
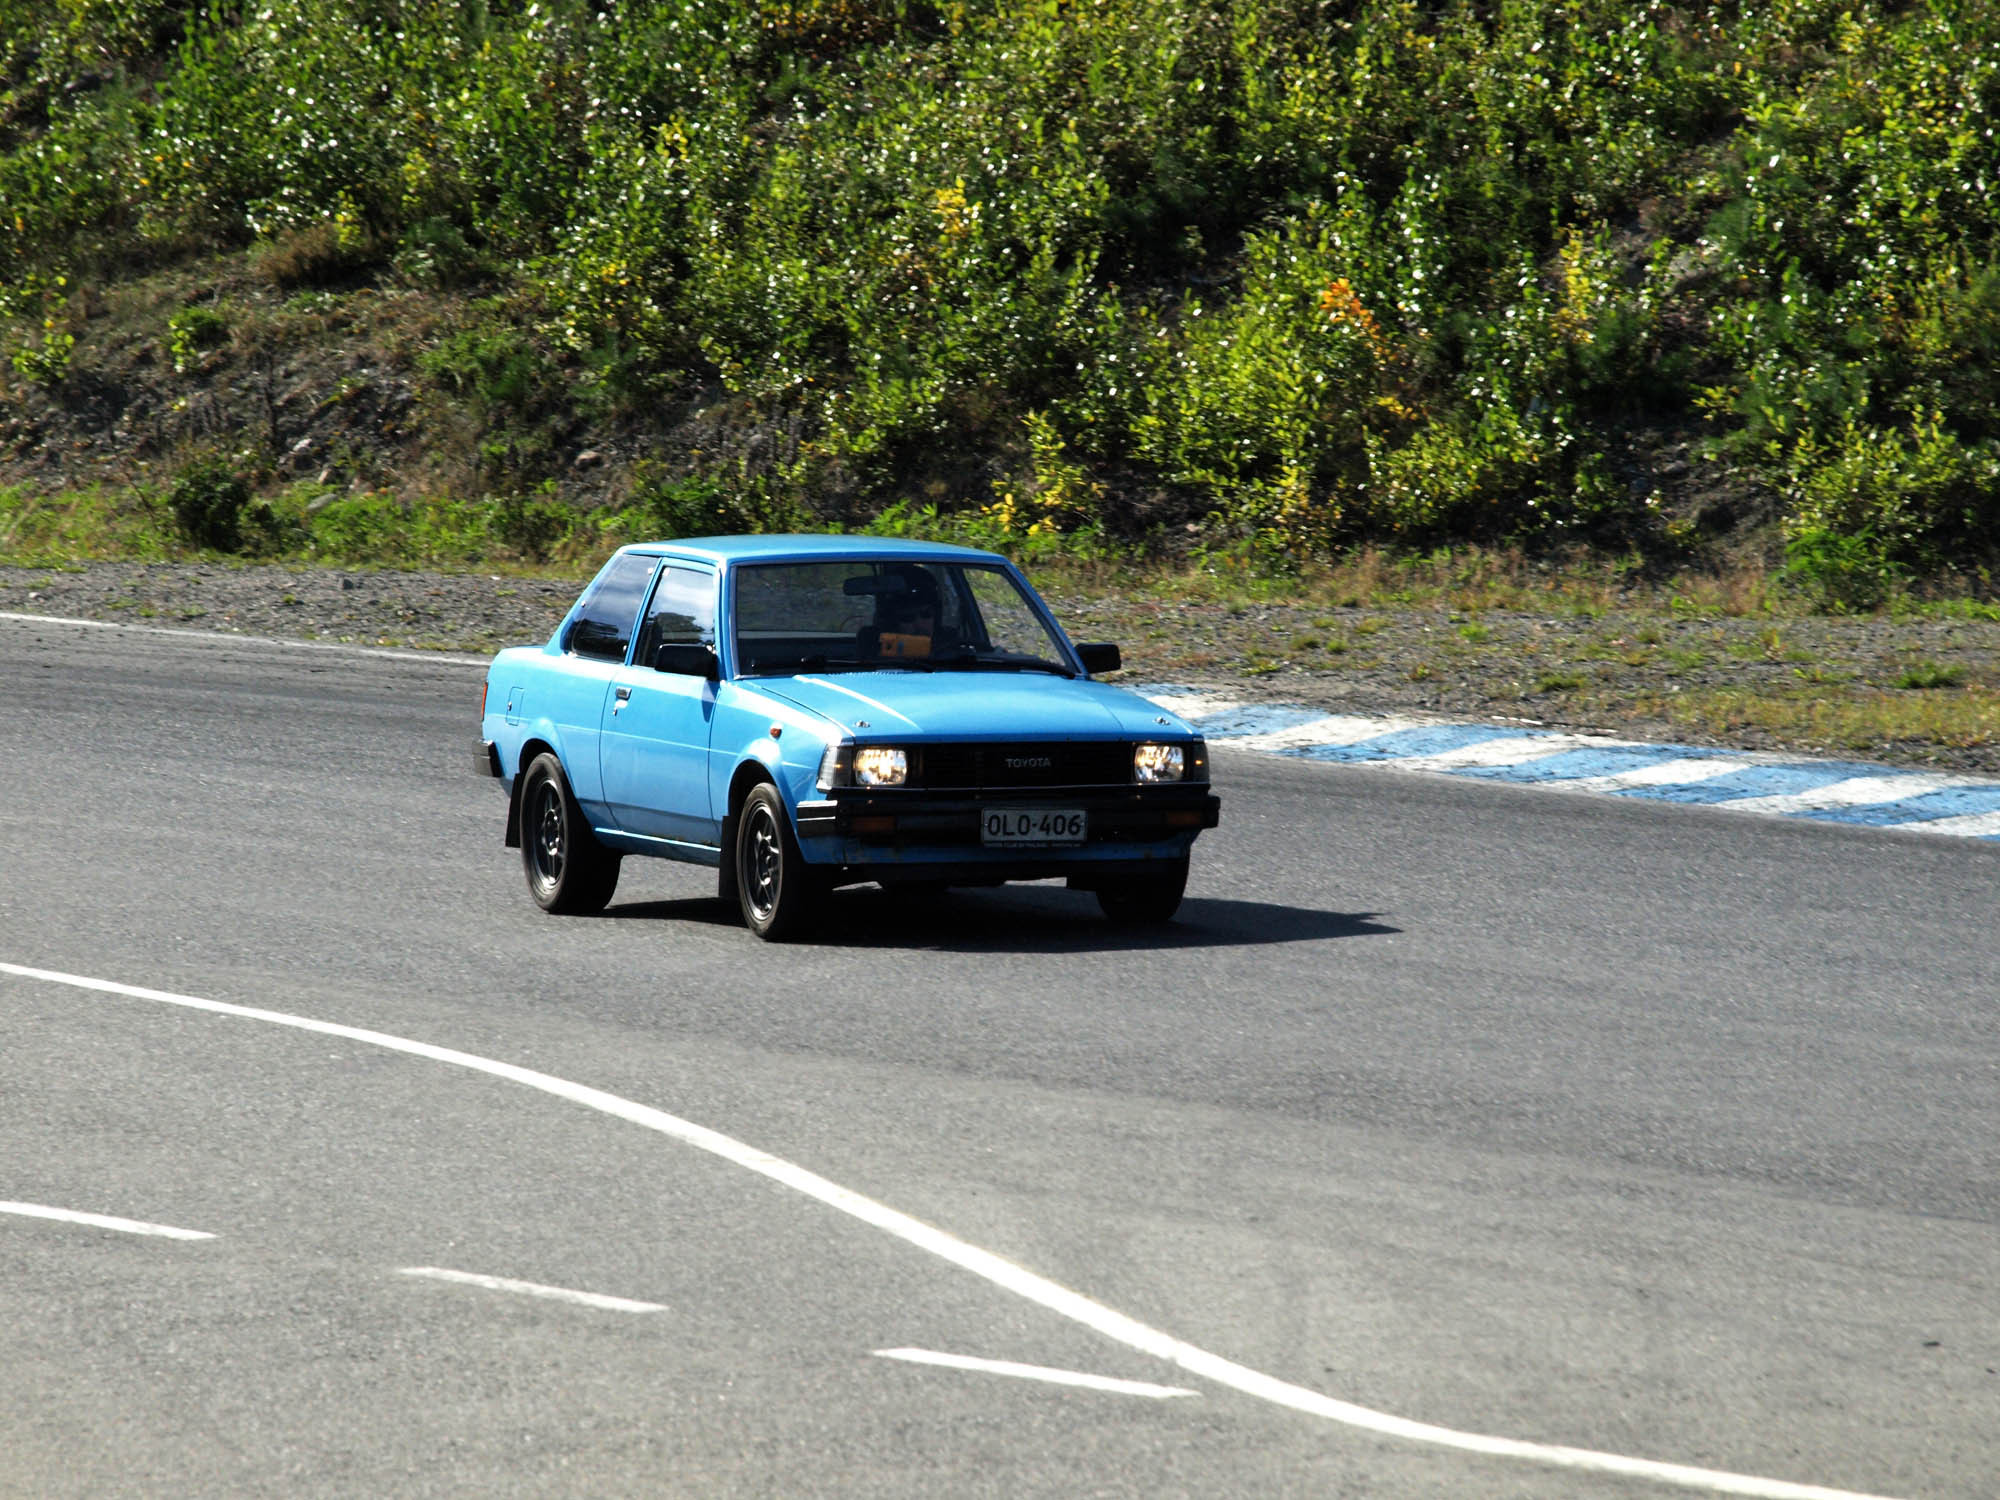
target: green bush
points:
(1914, 498)
(192, 330)
(531, 526)
(363, 528)
(495, 367)
(209, 499)
(680, 506)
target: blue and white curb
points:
(1828, 791)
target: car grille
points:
(980, 767)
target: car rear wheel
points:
(776, 888)
(568, 870)
(1145, 899)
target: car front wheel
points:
(568, 870)
(1145, 899)
(774, 885)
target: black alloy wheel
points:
(774, 885)
(568, 870)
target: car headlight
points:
(862, 765)
(1158, 763)
(875, 765)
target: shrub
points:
(1885, 501)
(192, 330)
(42, 302)
(682, 505)
(436, 253)
(317, 255)
(532, 526)
(362, 528)
(208, 499)
(495, 366)
(1840, 570)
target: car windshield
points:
(889, 614)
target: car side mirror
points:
(686, 661)
(1099, 656)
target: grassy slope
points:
(1267, 278)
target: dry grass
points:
(1836, 717)
(1469, 581)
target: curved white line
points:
(103, 1221)
(532, 1289)
(1018, 1371)
(232, 638)
(1001, 1273)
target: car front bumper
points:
(937, 836)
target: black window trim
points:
(686, 565)
(653, 559)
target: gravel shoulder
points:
(1814, 685)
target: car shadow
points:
(1026, 919)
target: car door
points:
(654, 745)
(595, 641)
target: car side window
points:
(682, 612)
(603, 627)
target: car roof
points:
(812, 547)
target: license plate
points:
(1032, 825)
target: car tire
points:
(1145, 900)
(726, 890)
(568, 871)
(775, 887)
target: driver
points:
(906, 622)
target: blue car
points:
(806, 712)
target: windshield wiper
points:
(777, 666)
(967, 657)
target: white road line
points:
(230, 638)
(104, 1221)
(1335, 729)
(1005, 1274)
(532, 1289)
(1035, 1372)
(1512, 751)
(1856, 791)
(1967, 825)
(1688, 768)
(1195, 705)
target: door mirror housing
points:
(1099, 656)
(687, 661)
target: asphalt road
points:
(1634, 1129)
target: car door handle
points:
(620, 697)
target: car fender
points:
(766, 760)
(782, 739)
(525, 742)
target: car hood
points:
(974, 705)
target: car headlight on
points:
(863, 765)
(1152, 763)
(875, 765)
